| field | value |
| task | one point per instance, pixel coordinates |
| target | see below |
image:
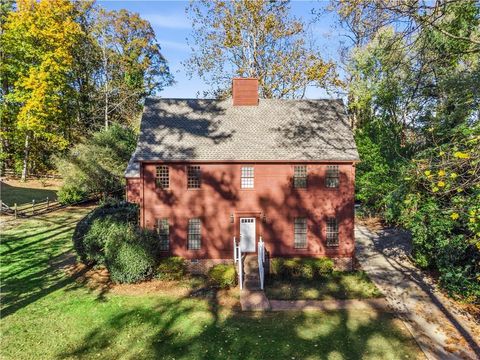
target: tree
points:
(97, 165)
(131, 64)
(413, 92)
(38, 42)
(69, 68)
(255, 38)
(6, 116)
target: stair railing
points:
(237, 257)
(261, 261)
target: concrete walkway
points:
(440, 330)
(330, 305)
(254, 300)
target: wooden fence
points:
(37, 207)
(9, 173)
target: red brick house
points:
(206, 171)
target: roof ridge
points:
(276, 129)
(229, 98)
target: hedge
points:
(307, 268)
(223, 276)
(171, 268)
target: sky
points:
(172, 28)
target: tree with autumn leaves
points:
(70, 68)
(38, 42)
(255, 38)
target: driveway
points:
(440, 329)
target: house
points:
(207, 171)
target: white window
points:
(162, 177)
(193, 177)
(194, 234)
(247, 177)
(300, 233)
(332, 232)
(332, 178)
(163, 230)
(300, 176)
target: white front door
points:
(247, 234)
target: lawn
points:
(338, 285)
(13, 191)
(47, 314)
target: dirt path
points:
(439, 328)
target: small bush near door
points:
(306, 268)
(223, 276)
(171, 268)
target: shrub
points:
(95, 240)
(110, 236)
(127, 258)
(324, 266)
(307, 268)
(97, 165)
(223, 275)
(276, 266)
(69, 194)
(92, 232)
(171, 268)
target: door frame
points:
(248, 214)
(254, 229)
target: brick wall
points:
(273, 202)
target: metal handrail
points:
(261, 261)
(237, 257)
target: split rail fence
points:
(38, 207)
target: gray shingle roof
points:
(195, 129)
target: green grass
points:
(24, 195)
(48, 315)
(338, 285)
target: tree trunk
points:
(105, 69)
(25, 156)
(106, 107)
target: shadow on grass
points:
(190, 329)
(24, 195)
(32, 252)
(48, 234)
(338, 285)
(195, 326)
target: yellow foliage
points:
(461, 155)
(45, 32)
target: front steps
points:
(252, 298)
(251, 275)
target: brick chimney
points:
(245, 91)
